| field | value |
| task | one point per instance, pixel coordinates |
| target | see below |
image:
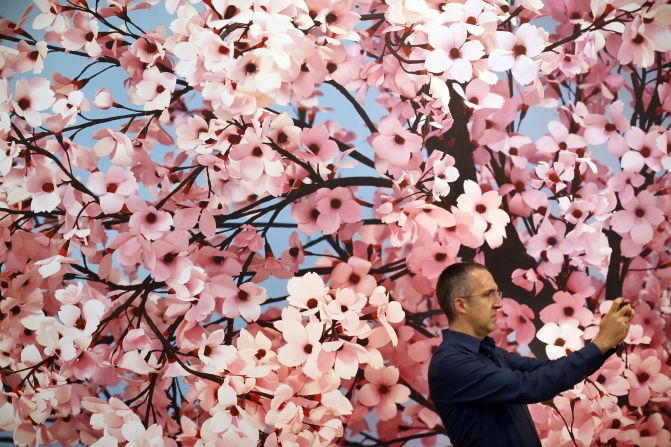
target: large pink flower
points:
(516, 52)
(567, 308)
(394, 145)
(336, 206)
(561, 339)
(383, 391)
(638, 219)
(146, 219)
(31, 96)
(488, 218)
(246, 303)
(113, 187)
(452, 52)
(645, 377)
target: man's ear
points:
(459, 305)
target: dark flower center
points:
(455, 53)
(151, 218)
(230, 12)
(399, 140)
(519, 50)
(243, 296)
(336, 203)
(250, 67)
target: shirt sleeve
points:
(466, 379)
(520, 363)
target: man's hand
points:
(614, 325)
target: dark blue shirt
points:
(480, 390)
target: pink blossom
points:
(559, 139)
(519, 318)
(246, 302)
(567, 308)
(609, 378)
(335, 207)
(638, 219)
(302, 342)
(452, 52)
(155, 89)
(516, 52)
(42, 183)
(645, 151)
(116, 145)
(489, 219)
(354, 274)
(146, 219)
(383, 391)
(561, 339)
(103, 99)
(394, 145)
(31, 96)
(645, 377)
(307, 292)
(112, 187)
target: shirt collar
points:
(468, 341)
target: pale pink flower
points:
(478, 95)
(549, 242)
(383, 391)
(638, 219)
(452, 52)
(394, 145)
(609, 378)
(146, 219)
(112, 187)
(432, 258)
(246, 302)
(320, 148)
(155, 89)
(567, 308)
(646, 377)
(519, 318)
(645, 151)
(489, 219)
(444, 173)
(116, 145)
(559, 139)
(347, 306)
(84, 33)
(636, 46)
(599, 129)
(302, 342)
(307, 292)
(335, 207)
(139, 436)
(354, 274)
(649, 432)
(255, 158)
(42, 185)
(624, 183)
(103, 99)
(475, 15)
(516, 52)
(284, 413)
(167, 262)
(213, 352)
(561, 339)
(31, 96)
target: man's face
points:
(482, 308)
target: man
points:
(481, 391)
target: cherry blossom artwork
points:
(200, 248)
